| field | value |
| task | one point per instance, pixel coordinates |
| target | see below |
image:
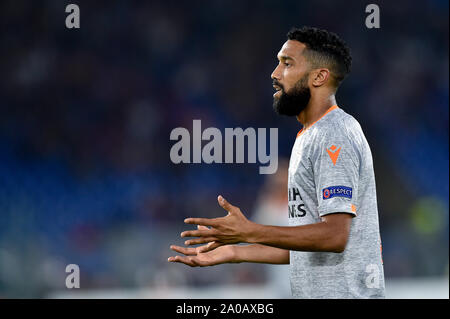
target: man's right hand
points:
(206, 255)
(194, 258)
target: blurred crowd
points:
(86, 114)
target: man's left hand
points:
(231, 229)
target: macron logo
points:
(333, 153)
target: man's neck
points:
(315, 109)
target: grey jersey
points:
(331, 171)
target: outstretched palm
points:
(203, 255)
(194, 257)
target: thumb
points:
(225, 205)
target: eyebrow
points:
(284, 57)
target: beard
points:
(293, 102)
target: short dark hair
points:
(324, 49)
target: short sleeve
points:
(336, 174)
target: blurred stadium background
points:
(85, 118)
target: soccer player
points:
(333, 241)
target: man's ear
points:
(320, 77)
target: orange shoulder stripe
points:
(328, 111)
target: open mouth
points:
(278, 89)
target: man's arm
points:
(256, 253)
(230, 254)
(329, 235)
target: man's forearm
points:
(260, 254)
(329, 235)
(321, 236)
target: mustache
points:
(275, 82)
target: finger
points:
(185, 260)
(210, 246)
(198, 233)
(188, 251)
(201, 221)
(197, 241)
(225, 205)
(200, 227)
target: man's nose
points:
(275, 74)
